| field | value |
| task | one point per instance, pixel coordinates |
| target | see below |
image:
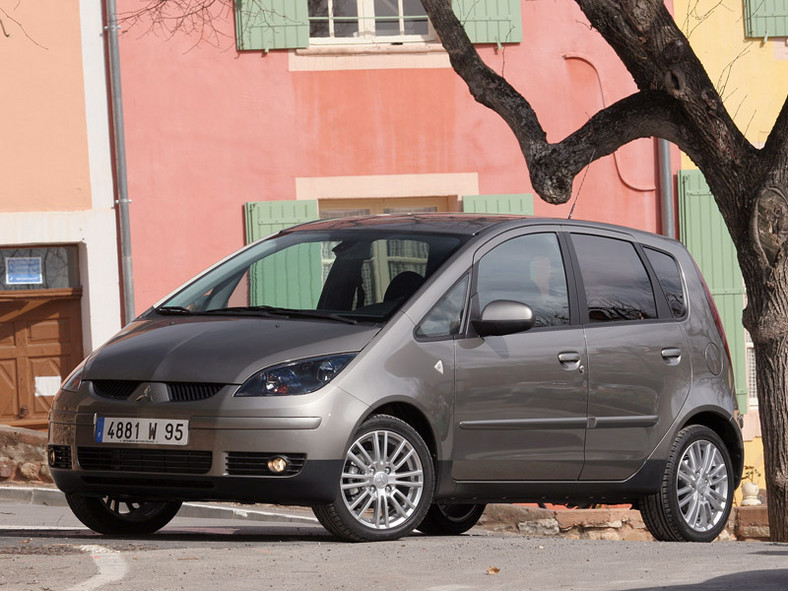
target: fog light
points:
(52, 457)
(277, 465)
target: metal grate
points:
(177, 391)
(241, 463)
(188, 392)
(126, 459)
(117, 389)
(59, 456)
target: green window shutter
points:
(490, 21)
(266, 284)
(705, 235)
(514, 203)
(266, 217)
(766, 18)
(271, 24)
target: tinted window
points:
(616, 283)
(667, 270)
(445, 319)
(527, 269)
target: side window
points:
(617, 286)
(527, 269)
(667, 270)
(445, 319)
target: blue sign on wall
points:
(23, 271)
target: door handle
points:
(570, 360)
(671, 355)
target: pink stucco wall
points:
(209, 129)
(43, 155)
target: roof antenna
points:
(580, 188)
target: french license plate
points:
(134, 430)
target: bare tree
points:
(676, 101)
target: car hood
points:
(225, 350)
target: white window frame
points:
(752, 387)
(366, 28)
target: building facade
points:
(59, 291)
(278, 111)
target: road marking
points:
(110, 564)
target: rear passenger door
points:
(638, 362)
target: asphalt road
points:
(45, 548)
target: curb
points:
(55, 498)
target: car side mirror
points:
(503, 317)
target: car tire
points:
(450, 520)
(386, 484)
(110, 515)
(696, 494)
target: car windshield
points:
(348, 275)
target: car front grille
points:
(188, 392)
(159, 461)
(241, 463)
(117, 389)
(176, 391)
(59, 456)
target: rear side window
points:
(669, 276)
(617, 285)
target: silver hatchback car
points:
(398, 372)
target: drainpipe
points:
(122, 189)
(666, 189)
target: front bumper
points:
(315, 484)
(226, 457)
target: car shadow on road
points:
(762, 580)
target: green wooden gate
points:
(705, 235)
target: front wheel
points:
(450, 520)
(386, 484)
(695, 499)
(110, 515)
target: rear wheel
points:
(695, 499)
(386, 484)
(111, 515)
(450, 520)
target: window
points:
(281, 24)
(363, 274)
(368, 20)
(445, 319)
(26, 268)
(667, 271)
(617, 286)
(527, 269)
(766, 18)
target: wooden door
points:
(40, 343)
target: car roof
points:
(468, 224)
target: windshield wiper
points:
(172, 310)
(286, 312)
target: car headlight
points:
(298, 377)
(74, 379)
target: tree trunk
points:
(765, 269)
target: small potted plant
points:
(749, 487)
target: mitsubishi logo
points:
(145, 396)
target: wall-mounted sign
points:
(24, 271)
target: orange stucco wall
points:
(43, 155)
(208, 129)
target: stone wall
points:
(23, 456)
(745, 523)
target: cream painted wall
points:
(750, 74)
